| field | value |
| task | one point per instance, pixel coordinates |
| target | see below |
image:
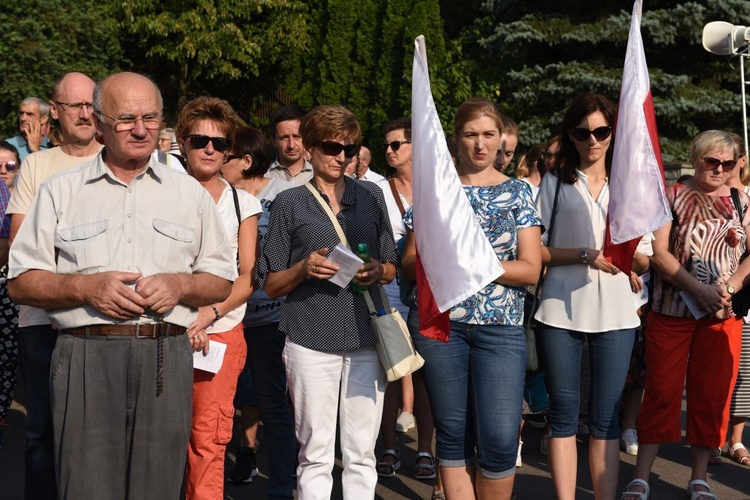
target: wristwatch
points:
(730, 288)
(585, 256)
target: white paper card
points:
(692, 305)
(212, 361)
(348, 263)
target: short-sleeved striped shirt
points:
(318, 314)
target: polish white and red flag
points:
(638, 203)
(454, 257)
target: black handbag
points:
(741, 299)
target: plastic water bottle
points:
(363, 253)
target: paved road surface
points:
(670, 475)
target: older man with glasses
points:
(121, 251)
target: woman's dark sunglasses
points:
(332, 148)
(714, 163)
(582, 134)
(10, 166)
(197, 141)
(395, 145)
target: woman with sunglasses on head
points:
(262, 384)
(475, 380)
(9, 164)
(331, 363)
(206, 128)
(582, 300)
(693, 338)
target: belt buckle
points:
(138, 333)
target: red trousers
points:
(708, 351)
(213, 418)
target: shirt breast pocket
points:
(85, 248)
(172, 246)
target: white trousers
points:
(320, 383)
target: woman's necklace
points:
(713, 200)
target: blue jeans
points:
(265, 345)
(35, 346)
(475, 385)
(609, 356)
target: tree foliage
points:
(535, 59)
(43, 39)
(190, 43)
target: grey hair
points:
(41, 103)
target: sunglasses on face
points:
(332, 148)
(229, 158)
(10, 166)
(198, 141)
(714, 163)
(582, 134)
(395, 145)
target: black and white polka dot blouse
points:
(319, 315)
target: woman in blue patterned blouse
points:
(475, 380)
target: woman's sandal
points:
(390, 467)
(629, 495)
(739, 453)
(700, 494)
(423, 471)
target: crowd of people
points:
(134, 250)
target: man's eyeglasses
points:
(198, 141)
(76, 106)
(714, 163)
(395, 145)
(10, 166)
(582, 134)
(332, 148)
(127, 122)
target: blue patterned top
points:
(501, 210)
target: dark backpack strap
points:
(236, 204)
(392, 183)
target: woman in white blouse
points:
(582, 298)
(205, 130)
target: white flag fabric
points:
(638, 203)
(457, 258)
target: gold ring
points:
(315, 269)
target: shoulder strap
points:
(330, 213)
(392, 183)
(737, 203)
(236, 204)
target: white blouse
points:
(249, 207)
(579, 297)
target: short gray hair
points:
(42, 105)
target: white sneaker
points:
(519, 462)
(629, 442)
(404, 422)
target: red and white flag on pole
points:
(454, 258)
(638, 203)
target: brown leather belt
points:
(141, 331)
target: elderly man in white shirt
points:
(121, 251)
